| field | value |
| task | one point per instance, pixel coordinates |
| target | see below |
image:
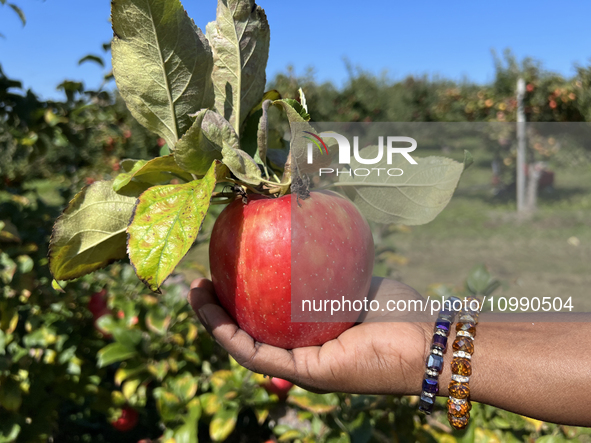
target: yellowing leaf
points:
(222, 424)
(90, 233)
(164, 226)
(156, 171)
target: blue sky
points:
(448, 39)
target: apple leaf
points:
(316, 403)
(201, 144)
(223, 423)
(298, 123)
(217, 133)
(156, 171)
(168, 404)
(8, 232)
(129, 370)
(165, 224)
(91, 233)
(414, 198)
(184, 386)
(239, 40)
(187, 433)
(162, 64)
(112, 353)
(248, 137)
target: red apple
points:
(270, 251)
(127, 420)
(97, 302)
(278, 386)
(97, 305)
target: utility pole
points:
(521, 160)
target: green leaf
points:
(112, 353)
(130, 387)
(158, 320)
(168, 404)
(223, 423)
(92, 58)
(9, 232)
(156, 171)
(90, 233)
(19, 12)
(10, 395)
(239, 40)
(187, 433)
(201, 144)
(210, 402)
(468, 159)
(129, 338)
(128, 371)
(25, 264)
(316, 403)
(12, 433)
(414, 198)
(481, 282)
(298, 107)
(248, 137)
(262, 138)
(218, 134)
(184, 386)
(165, 224)
(298, 143)
(162, 65)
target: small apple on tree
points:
(204, 96)
(127, 420)
(98, 307)
(279, 387)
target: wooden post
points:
(521, 160)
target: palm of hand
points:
(379, 356)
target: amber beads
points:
(458, 404)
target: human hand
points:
(374, 357)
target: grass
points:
(545, 254)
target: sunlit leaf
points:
(316, 403)
(162, 64)
(201, 144)
(92, 58)
(415, 197)
(184, 386)
(112, 353)
(239, 40)
(91, 233)
(127, 371)
(156, 171)
(223, 423)
(165, 224)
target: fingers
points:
(257, 357)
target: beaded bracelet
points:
(458, 403)
(435, 360)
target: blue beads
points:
(443, 325)
(435, 362)
(440, 342)
(426, 404)
(438, 346)
(430, 385)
